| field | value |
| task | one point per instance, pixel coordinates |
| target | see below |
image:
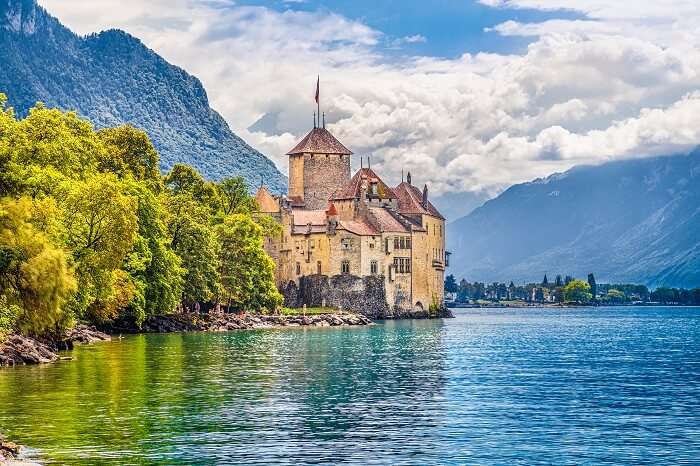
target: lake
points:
(493, 386)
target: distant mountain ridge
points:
(111, 78)
(629, 221)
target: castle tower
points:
(318, 166)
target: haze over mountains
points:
(631, 221)
(111, 78)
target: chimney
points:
(425, 196)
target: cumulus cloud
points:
(620, 83)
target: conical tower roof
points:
(319, 141)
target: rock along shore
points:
(21, 350)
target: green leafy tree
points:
(234, 197)
(615, 296)
(577, 291)
(154, 268)
(101, 227)
(185, 180)
(129, 151)
(35, 278)
(194, 240)
(451, 284)
(247, 272)
(48, 149)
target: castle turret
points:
(318, 166)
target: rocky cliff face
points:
(632, 221)
(112, 78)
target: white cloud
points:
(621, 83)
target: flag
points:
(318, 82)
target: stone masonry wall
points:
(323, 175)
(363, 295)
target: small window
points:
(408, 243)
(396, 242)
(298, 268)
(345, 267)
(318, 267)
(402, 243)
(373, 267)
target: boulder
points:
(19, 350)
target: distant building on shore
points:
(353, 241)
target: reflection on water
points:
(490, 387)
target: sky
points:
(470, 96)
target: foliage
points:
(112, 78)
(234, 197)
(247, 272)
(309, 311)
(128, 151)
(8, 317)
(577, 291)
(191, 237)
(35, 278)
(451, 284)
(91, 231)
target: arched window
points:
(345, 266)
(318, 267)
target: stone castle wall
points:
(323, 174)
(363, 295)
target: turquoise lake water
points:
(519, 386)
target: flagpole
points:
(318, 93)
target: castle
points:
(354, 242)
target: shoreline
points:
(18, 350)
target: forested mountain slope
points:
(112, 78)
(630, 221)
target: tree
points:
(577, 291)
(615, 296)
(129, 151)
(35, 279)
(234, 197)
(451, 284)
(194, 240)
(247, 272)
(48, 149)
(592, 284)
(101, 227)
(185, 180)
(152, 266)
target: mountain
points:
(630, 221)
(456, 205)
(111, 78)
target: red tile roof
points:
(308, 221)
(386, 222)
(352, 189)
(360, 228)
(319, 141)
(304, 217)
(411, 201)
